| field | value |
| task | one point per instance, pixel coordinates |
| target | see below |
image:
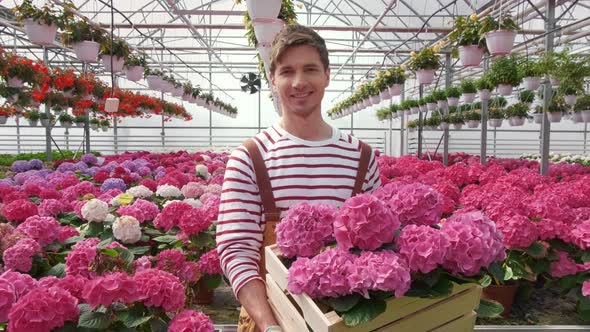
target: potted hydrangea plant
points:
(505, 73)
(85, 39)
(466, 40)
(499, 33)
(424, 64)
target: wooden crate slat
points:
(462, 324)
(285, 312)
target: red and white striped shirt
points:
(299, 170)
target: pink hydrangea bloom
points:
(586, 288)
(66, 232)
(43, 310)
(133, 211)
(22, 283)
(43, 229)
(193, 190)
(171, 215)
(365, 222)
(189, 272)
(564, 266)
(51, 208)
(170, 260)
(74, 284)
(211, 207)
(305, 229)
(80, 259)
(474, 242)
(157, 288)
(7, 298)
(191, 321)
(580, 235)
(385, 270)
(108, 288)
(194, 221)
(149, 209)
(48, 281)
(518, 231)
(20, 256)
(213, 189)
(423, 247)
(209, 262)
(417, 204)
(19, 210)
(142, 263)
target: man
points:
(302, 158)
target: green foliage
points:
(532, 68)
(456, 118)
(49, 14)
(519, 110)
(502, 23)
(466, 32)
(425, 59)
(383, 114)
(32, 115)
(468, 86)
(496, 113)
(453, 92)
(582, 103)
(489, 308)
(498, 101)
(80, 31)
(526, 96)
(505, 70)
(138, 59)
(364, 311)
(119, 48)
(484, 83)
(472, 116)
(438, 95)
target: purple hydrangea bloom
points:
(20, 166)
(143, 171)
(81, 166)
(36, 164)
(89, 159)
(113, 183)
(91, 171)
(66, 166)
(159, 175)
(130, 165)
(6, 182)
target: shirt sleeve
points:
(372, 179)
(239, 232)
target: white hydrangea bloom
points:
(201, 170)
(95, 210)
(168, 191)
(205, 157)
(169, 202)
(140, 191)
(115, 201)
(126, 229)
(193, 202)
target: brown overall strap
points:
(271, 213)
(362, 169)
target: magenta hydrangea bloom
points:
(586, 288)
(66, 232)
(305, 229)
(171, 215)
(385, 270)
(417, 203)
(22, 283)
(20, 256)
(423, 247)
(170, 260)
(194, 221)
(43, 310)
(157, 288)
(109, 288)
(564, 266)
(474, 243)
(193, 190)
(365, 222)
(149, 209)
(19, 210)
(580, 235)
(191, 321)
(51, 208)
(7, 298)
(80, 259)
(519, 231)
(43, 229)
(133, 211)
(209, 263)
(189, 272)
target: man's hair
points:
(296, 35)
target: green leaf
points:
(94, 229)
(35, 200)
(586, 256)
(540, 266)
(212, 281)
(126, 255)
(105, 242)
(58, 270)
(363, 312)
(489, 308)
(202, 239)
(73, 239)
(567, 282)
(153, 232)
(536, 250)
(485, 281)
(497, 271)
(139, 250)
(110, 252)
(344, 303)
(508, 274)
(138, 315)
(583, 302)
(584, 315)
(94, 320)
(166, 239)
(158, 325)
(442, 288)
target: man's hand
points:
(253, 298)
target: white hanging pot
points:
(66, 124)
(484, 95)
(79, 124)
(423, 108)
(41, 34)
(468, 98)
(384, 95)
(431, 106)
(495, 123)
(586, 115)
(538, 118)
(453, 101)
(374, 100)
(3, 119)
(400, 112)
(186, 97)
(86, 51)
(264, 51)
(470, 55)
(570, 99)
(118, 63)
(425, 76)
(45, 122)
(395, 90)
(441, 104)
(532, 83)
(263, 9)
(154, 82)
(511, 122)
(577, 117)
(500, 42)
(457, 126)
(444, 125)
(554, 116)
(94, 126)
(366, 103)
(15, 82)
(105, 128)
(407, 112)
(517, 121)
(33, 123)
(505, 89)
(267, 29)
(177, 92)
(394, 115)
(134, 73)
(414, 110)
(166, 86)
(473, 124)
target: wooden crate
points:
(298, 313)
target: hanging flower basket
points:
(15, 82)
(538, 118)
(470, 55)
(66, 124)
(441, 104)
(425, 76)
(453, 101)
(118, 63)
(104, 128)
(457, 126)
(395, 90)
(505, 89)
(263, 9)
(517, 121)
(86, 51)
(94, 126)
(41, 34)
(400, 113)
(484, 95)
(267, 29)
(374, 100)
(468, 98)
(431, 106)
(384, 95)
(473, 124)
(495, 123)
(154, 82)
(532, 83)
(264, 51)
(554, 81)
(586, 115)
(445, 125)
(407, 112)
(135, 73)
(177, 92)
(423, 108)
(166, 86)
(414, 110)
(570, 99)
(500, 42)
(79, 124)
(577, 117)
(555, 116)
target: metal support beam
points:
(448, 83)
(547, 91)
(402, 132)
(483, 149)
(48, 154)
(420, 124)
